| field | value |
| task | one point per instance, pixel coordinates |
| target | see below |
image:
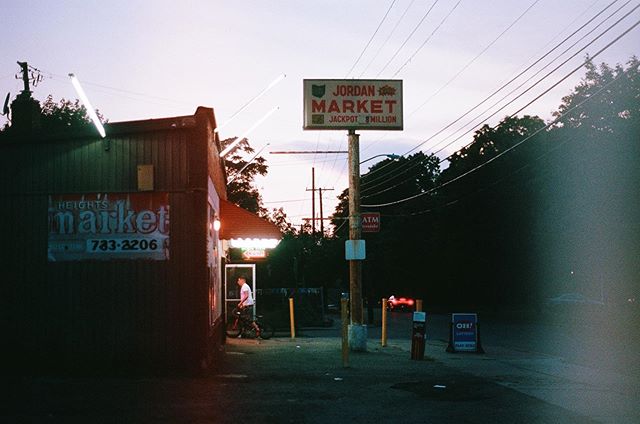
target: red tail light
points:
(410, 302)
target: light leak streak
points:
(250, 102)
(87, 105)
(253, 127)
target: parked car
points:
(400, 303)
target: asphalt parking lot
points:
(303, 380)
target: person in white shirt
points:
(246, 297)
(246, 302)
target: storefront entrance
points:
(231, 289)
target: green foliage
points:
(65, 115)
(279, 218)
(240, 188)
(613, 93)
(402, 237)
(490, 141)
(304, 260)
(508, 234)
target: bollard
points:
(383, 341)
(345, 331)
(418, 335)
(418, 305)
(292, 319)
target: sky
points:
(144, 59)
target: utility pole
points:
(357, 329)
(318, 117)
(321, 213)
(321, 223)
(313, 203)
(25, 77)
(25, 110)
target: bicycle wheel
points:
(266, 329)
(233, 328)
(249, 332)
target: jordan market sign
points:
(352, 104)
(108, 226)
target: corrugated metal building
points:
(110, 260)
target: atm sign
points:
(370, 222)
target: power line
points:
(352, 68)
(408, 38)
(532, 76)
(340, 226)
(428, 38)
(526, 165)
(560, 116)
(404, 171)
(252, 100)
(372, 36)
(547, 75)
(467, 65)
(106, 87)
(501, 88)
(295, 200)
(544, 92)
(375, 56)
(556, 36)
(476, 57)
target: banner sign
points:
(352, 104)
(108, 226)
(464, 332)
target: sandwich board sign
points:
(464, 333)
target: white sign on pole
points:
(419, 317)
(352, 104)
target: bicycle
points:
(242, 326)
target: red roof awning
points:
(236, 223)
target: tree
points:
(389, 180)
(590, 213)
(279, 218)
(613, 94)
(403, 237)
(490, 141)
(241, 174)
(66, 114)
(63, 115)
(486, 217)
